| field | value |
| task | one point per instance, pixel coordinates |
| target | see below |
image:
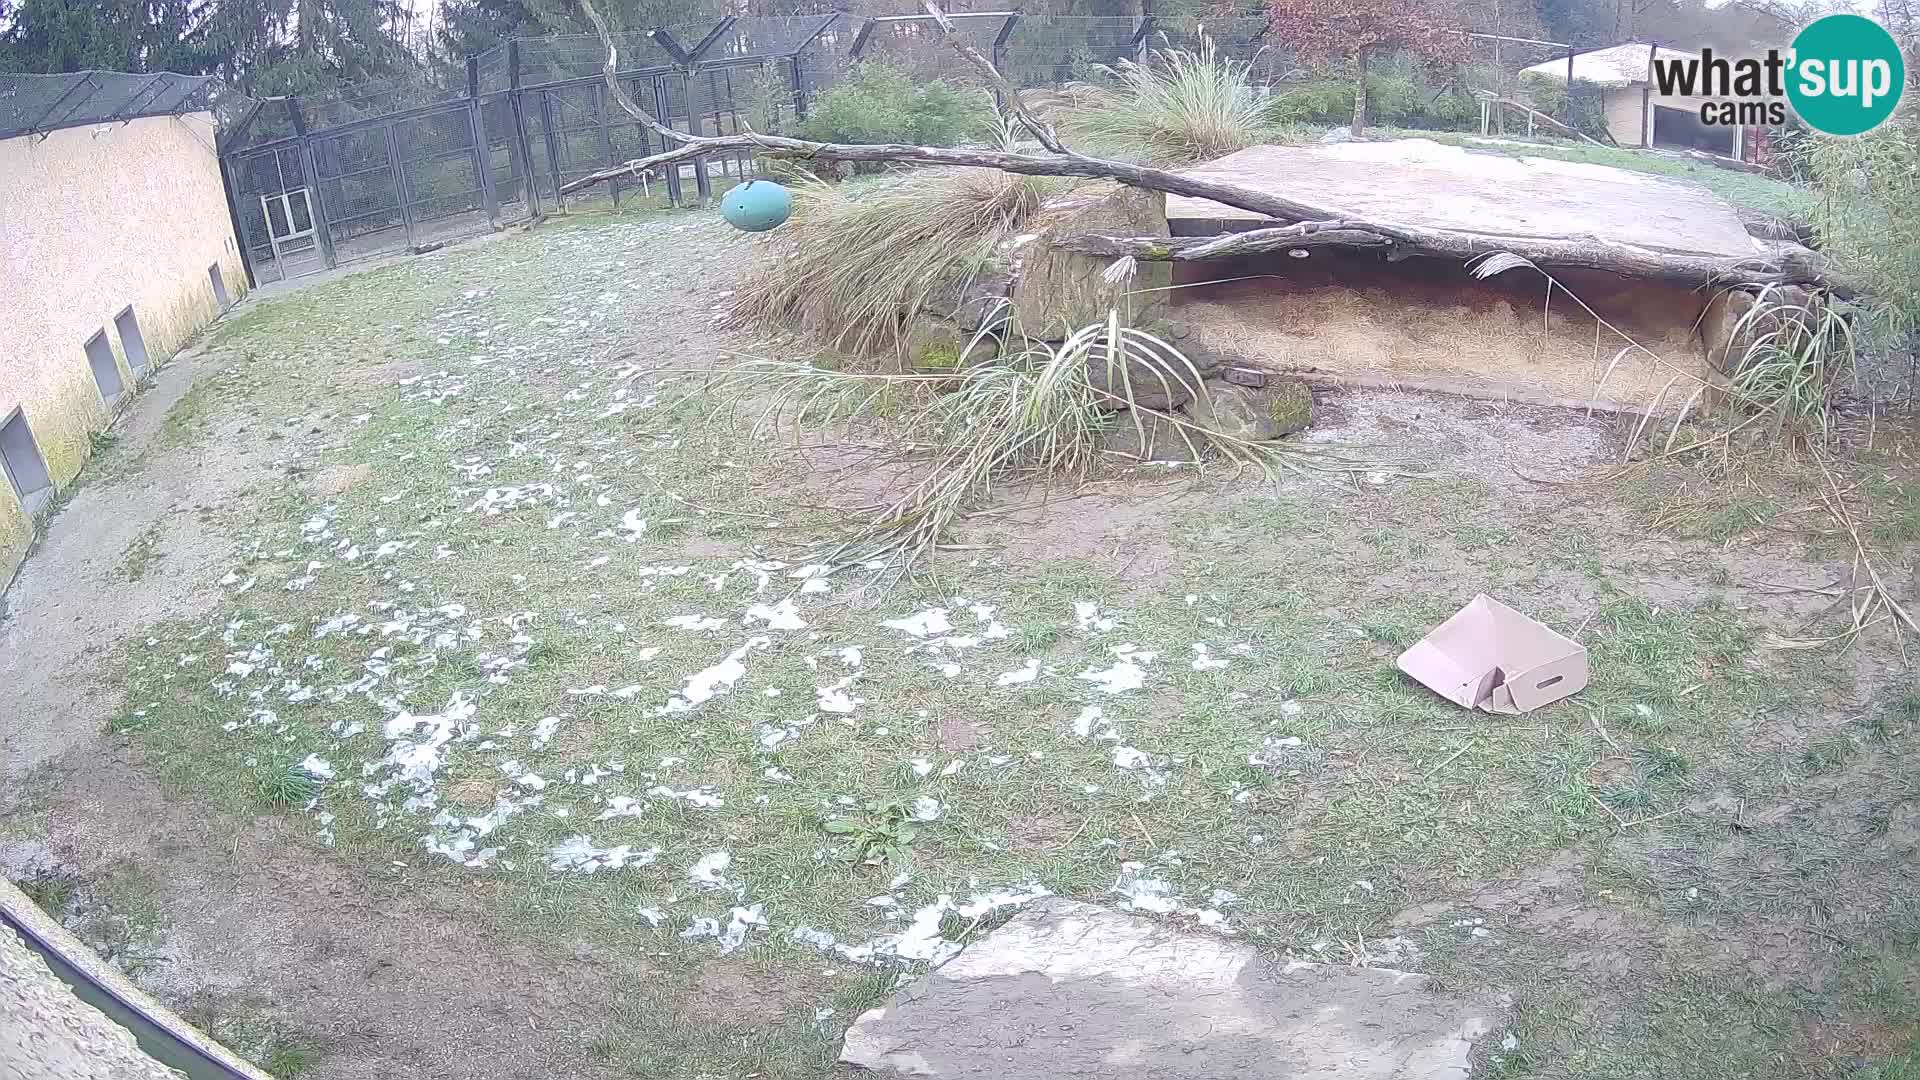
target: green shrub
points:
(1869, 220)
(1400, 93)
(882, 104)
(1549, 95)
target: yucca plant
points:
(859, 260)
(1042, 411)
(1797, 351)
(1183, 107)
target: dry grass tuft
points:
(859, 259)
(1041, 412)
(1186, 107)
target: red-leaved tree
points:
(1355, 30)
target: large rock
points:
(1072, 990)
(973, 301)
(935, 344)
(1725, 340)
(1240, 413)
(1055, 291)
(1146, 436)
(1150, 384)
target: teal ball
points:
(756, 206)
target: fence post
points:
(1138, 46)
(400, 184)
(601, 109)
(702, 186)
(311, 169)
(233, 214)
(482, 149)
(799, 88)
(1000, 53)
(666, 119)
(1569, 101)
(529, 190)
(553, 149)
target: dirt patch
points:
(68, 606)
(337, 479)
(238, 909)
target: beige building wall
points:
(1629, 117)
(93, 219)
(1621, 107)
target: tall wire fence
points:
(319, 182)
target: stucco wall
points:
(93, 219)
(1621, 107)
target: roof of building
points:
(1619, 65)
(41, 103)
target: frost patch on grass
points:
(415, 761)
(921, 941)
(922, 623)
(622, 806)
(780, 616)
(734, 934)
(1126, 673)
(1204, 660)
(1087, 614)
(578, 855)
(719, 679)
(704, 797)
(835, 699)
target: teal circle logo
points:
(1847, 75)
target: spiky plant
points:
(859, 260)
(1185, 106)
(1798, 351)
(1042, 411)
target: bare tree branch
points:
(1787, 266)
(1009, 94)
(1306, 226)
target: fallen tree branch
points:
(1788, 267)
(1304, 226)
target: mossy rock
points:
(937, 346)
(1291, 406)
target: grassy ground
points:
(472, 627)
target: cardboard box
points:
(1491, 657)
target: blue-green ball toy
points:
(756, 206)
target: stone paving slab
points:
(1424, 183)
(1068, 990)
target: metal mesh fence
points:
(317, 181)
(35, 104)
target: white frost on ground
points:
(734, 934)
(780, 616)
(1087, 614)
(921, 624)
(1204, 660)
(703, 797)
(921, 941)
(578, 855)
(719, 679)
(1125, 674)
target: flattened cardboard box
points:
(1491, 657)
